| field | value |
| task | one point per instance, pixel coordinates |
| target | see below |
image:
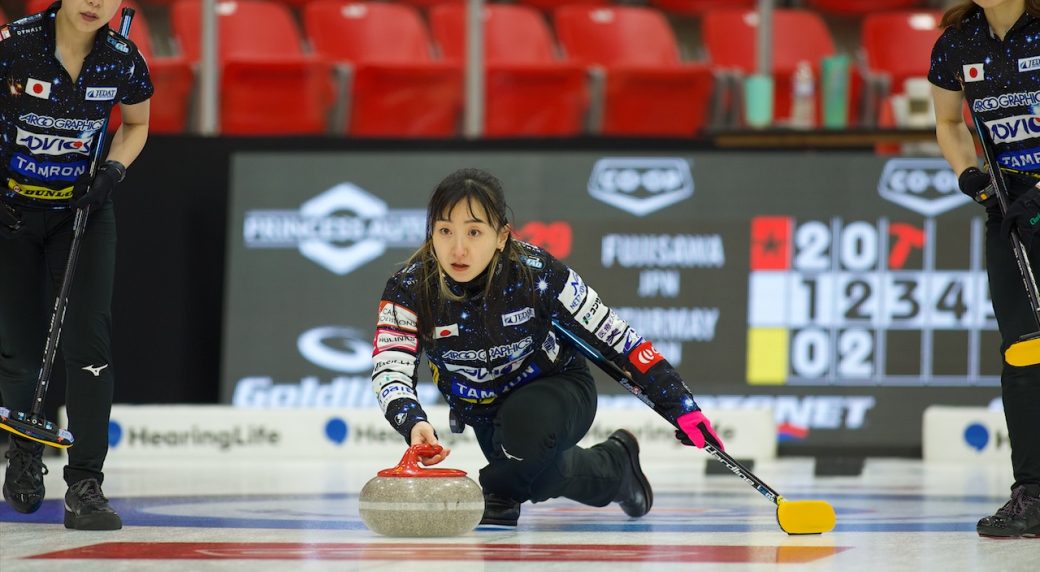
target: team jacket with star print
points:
(48, 123)
(485, 348)
(1001, 83)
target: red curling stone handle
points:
(409, 465)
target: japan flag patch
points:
(974, 72)
(37, 88)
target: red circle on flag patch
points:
(37, 88)
(445, 332)
(973, 72)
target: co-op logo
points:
(341, 229)
(337, 348)
(641, 185)
(926, 186)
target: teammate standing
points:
(62, 71)
(989, 55)
(480, 306)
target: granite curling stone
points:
(411, 501)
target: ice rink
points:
(896, 515)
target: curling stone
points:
(411, 501)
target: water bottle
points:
(803, 100)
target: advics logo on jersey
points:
(318, 231)
(926, 186)
(52, 144)
(641, 185)
(1017, 128)
(336, 348)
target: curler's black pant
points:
(1020, 386)
(32, 266)
(531, 446)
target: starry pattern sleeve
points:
(138, 85)
(580, 310)
(395, 359)
(943, 71)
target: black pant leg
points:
(86, 336)
(24, 312)
(1020, 385)
(531, 447)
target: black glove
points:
(10, 221)
(977, 185)
(94, 194)
(1024, 214)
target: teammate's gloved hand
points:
(977, 185)
(85, 192)
(695, 429)
(1024, 214)
(10, 221)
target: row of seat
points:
(622, 74)
(683, 7)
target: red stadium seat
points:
(862, 7)
(3, 17)
(548, 5)
(171, 76)
(268, 85)
(730, 37)
(397, 90)
(695, 7)
(648, 90)
(899, 44)
(529, 92)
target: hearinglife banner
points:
(844, 292)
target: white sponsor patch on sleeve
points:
(574, 292)
(612, 330)
(388, 340)
(592, 311)
(396, 316)
(630, 340)
(551, 347)
(394, 390)
(400, 362)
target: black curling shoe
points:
(23, 482)
(499, 510)
(86, 508)
(1020, 516)
(634, 495)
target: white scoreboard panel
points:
(854, 302)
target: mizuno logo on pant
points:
(96, 370)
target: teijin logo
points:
(339, 242)
(926, 186)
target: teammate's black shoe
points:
(23, 483)
(500, 510)
(1019, 516)
(86, 508)
(634, 495)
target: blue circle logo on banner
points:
(115, 433)
(336, 430)
(977, 436)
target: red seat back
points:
(697, 6)
(512, 34)
(617, 36)
(862, 7)
(730, 37)
(366, 31)
(248, 28)
(900, 43)
(553, 4)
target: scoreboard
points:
(850, 302)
